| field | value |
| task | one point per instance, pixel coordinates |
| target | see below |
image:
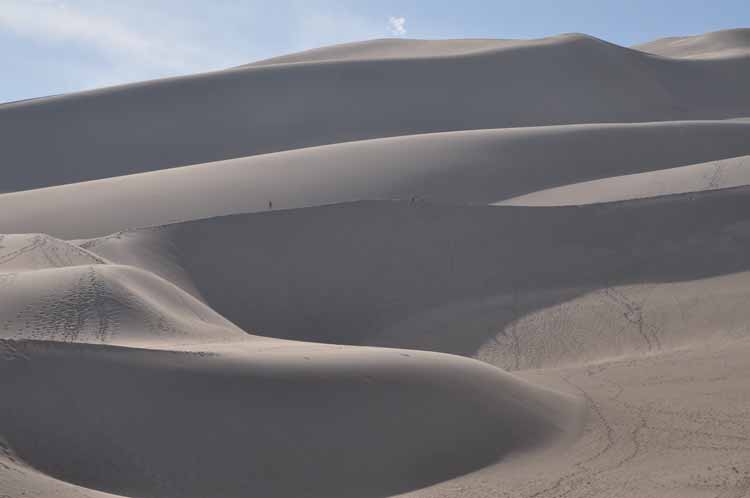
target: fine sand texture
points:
(258, 109)
(713, 175)
(393, 268)
(468, 167)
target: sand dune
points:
(218, 395)
(439, 277)
(383, 328)
(105, 389)
(261, 109)
(401, 48)
(714, 175)
(109, 304)
(727, 43)
(392, 48)
(341, 421)
(471, 167)
(53, 290)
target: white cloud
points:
(396, 25)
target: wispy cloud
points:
(59, 46)
(127, 49)
(397, 25)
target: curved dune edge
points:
(140, 389)
(403, 48)
(726, 43)
(111, 304)
(437, 277)
(714, 175)
(620, 327)
(470, 167)
(263, 109)
(376, 422)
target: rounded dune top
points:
(400, 48)
(356, 92)
(726, 43)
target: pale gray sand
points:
(253, 110)
(564, 316)
(300, 352)
(402, 48)
(440, 278)
(671, 425)
(714, 175)
(395, 48)
(470, 167)
(727, 43)
(342, 421)
(93, 399)
(204, 406)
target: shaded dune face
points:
(370, 266)
(255, 110)
(616, 279)
(208, 408)
(326, 345)
(343, 422)
(468, 167)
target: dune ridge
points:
(469, 167)
(726, 43)
(403, 48)
(262, 109)
(114, 353)
(326, 275)
(441, 267)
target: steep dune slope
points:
(109, 304)
(233, 347)
(122, 420)
(253, 110)
(453, 278)
(475, 167)
(342, 421)
(727, 43)
(57, 291)
(209, 408)
(38, 251)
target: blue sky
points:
(57, 46)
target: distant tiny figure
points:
(270, 205)
(412, 200)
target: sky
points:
(49, 47)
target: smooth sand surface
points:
(260, 109)
(140, 389)
(470, 167)
(727, 43)
(437, 277)
(527, 280)
(713, 175)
